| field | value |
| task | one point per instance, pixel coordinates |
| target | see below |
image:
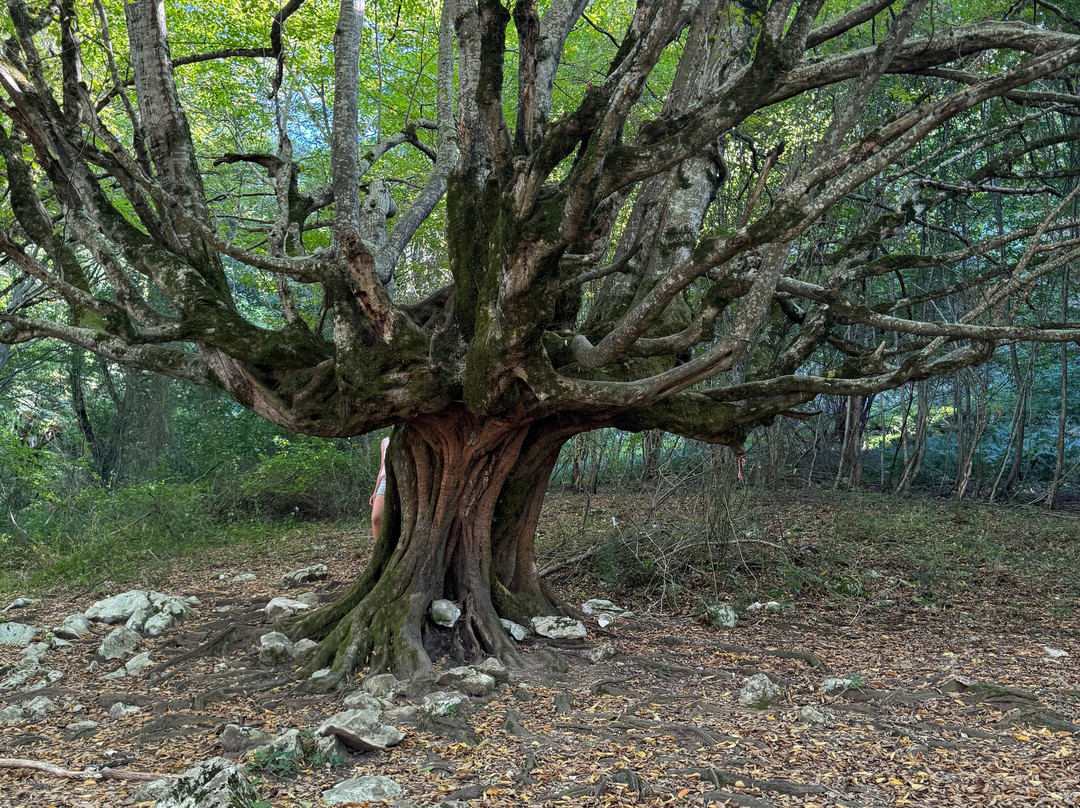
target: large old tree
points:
(498, 226)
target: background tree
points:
(511, 226)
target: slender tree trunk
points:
(651, 444)
(462, 502)
(1059, 464)
(918, 441)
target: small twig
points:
(85, 774)
(561, 565)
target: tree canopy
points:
(500, 225)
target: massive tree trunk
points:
(462, 502)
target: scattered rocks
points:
(215, 783)
(74, 627)
(768, 606)
(760, 692)
(383, 686)
(280, 608)
(444, 613)
(495, 669)
(605, 611)
(443, 703)
(17, 634)
(119, 642)
(316, 572)
(235, 738)
(304, 647)
(721, 615)
(599, 653)
(310, 598)
(362, 789)
(361, 730)
(559, 628)
(275, 649)
(244, 576)
(469, 680)
(516, 631)
(11, 715)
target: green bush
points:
(311, 479)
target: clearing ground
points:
(958, 692)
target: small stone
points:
(559, 628)
(383, 686)
(119, 642)
(121, 710)
(244, 576)
(812, 715)
(332, 747)
(304, 647)
(722, 615)
(400, 715)
(594, 605)
(275, 649)
(139, 617)
(81, 730)
(323, 680)
(316, 572)
(280, 608)
(11, 715)
(369, 788)
(1055, 653)
(361, 730)
(495, 669)
(288, 744)
(19, 603)
(599, 653)
(55, 642)
(836, 685)
(444, 613)
(310, 598)
(443, 702)
(17, 634)
(363, 701)
(516, 631)
(74, 627)
(760, 692)
(236, 738)
(138, 663)
(214, 783)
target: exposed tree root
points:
(85, 774)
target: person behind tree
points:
(378, 499)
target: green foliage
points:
(285, 764)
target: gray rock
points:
(74, 627)
(400, 715)
(361, 730)
(139, 617)
(443, 703)
(599, 653)
(119, 642)
(159, 623)
(444, 613)
(835, 684)
(17, 634)
(19, 603)
(275, 649)
(23, 671)
(722, 615)
(215, 783)
(362, 789)
(594, 605)
(383, 686)
(36, 651)
(316, 572)
(310, 598)
(559, 628)
(121, 710)
(468, 680)
(81, 730)
(495, 669)
(244, 576)
(11, 715)
(518, 632)
(119, 608)
(760, 692)
(55, 642)
(331, 747)
(134, 666)
(235, 738)
(812, 715)
(287, 743)
(304, 647)
(280, 608)
(363, 701)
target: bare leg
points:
(377, 514)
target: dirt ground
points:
(956, 703)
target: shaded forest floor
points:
(939, 616)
